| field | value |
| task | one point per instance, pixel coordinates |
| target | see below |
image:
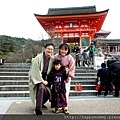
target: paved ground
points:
(77, 106)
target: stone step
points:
(27, 69)
(14, 82)
(83, 82)
(25, 82)
(84, 78)
(87, 93)
(85, 71)
(24, 73)
(24, 65)
(84, 87)
(14, 70)
(14, 93)
(13, 77)
(13, 73)
(85, 74)
(72, 93)
(22, 87)
(14, 88)
(26, 78)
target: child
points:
(102, 76)
(56, 79)
(85, 58)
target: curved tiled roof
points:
(71, 10)
(114, 41)
(103, 32)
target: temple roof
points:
(103, 32)
(71, 10)
(79, 16)
(114, 41)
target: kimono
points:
(69, 62)
(56, 81)
(35, 74)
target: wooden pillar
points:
(116, 49)
(80, 42)
(89, 39)
(53, 40)
(62, 39)
(108, 48)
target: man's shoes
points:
(38, 112)
(43, 106)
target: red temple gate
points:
(72, 25)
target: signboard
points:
(97, 62)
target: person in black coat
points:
(114, 68)
(102, 76)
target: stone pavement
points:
(77, 106)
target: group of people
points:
(78, 58)
(109, 77)
(87, 56)
(49, 78)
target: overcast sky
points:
(17, 16)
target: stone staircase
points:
(14, 80)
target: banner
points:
(97, 62)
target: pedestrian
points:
(103, 79)
(85, 58)
(41, 66)
(76, 49)
(100, 53)
(114, 68)
(77, 60)
(32, 60)
(68, 61)
(3, 61)
(92, 50)
(56, 78)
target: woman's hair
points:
(66, 47)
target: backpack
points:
(91, 51)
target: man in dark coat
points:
(114, 68)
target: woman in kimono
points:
(68, 62)
(56, 81)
